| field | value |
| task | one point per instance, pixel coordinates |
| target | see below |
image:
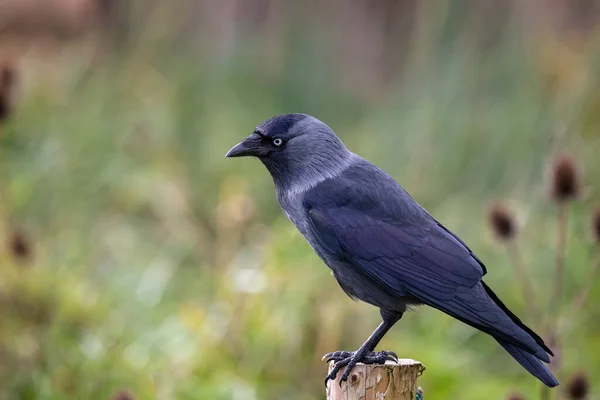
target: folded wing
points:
(415, 256)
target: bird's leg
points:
(365, 353)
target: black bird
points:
(382, 247)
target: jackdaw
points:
(382, 247)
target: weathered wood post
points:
(390, 381)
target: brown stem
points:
(555, 301)
(545, 393)
(560, 258)
(527, 285)
(581, 299)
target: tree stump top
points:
(389, 381)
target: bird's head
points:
(297, 149)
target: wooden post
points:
(390, 381)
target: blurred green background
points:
(135, 258)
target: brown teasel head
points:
(502, 221)
(8, 81)
(578, 386)
(596, 225)
(8, 76)
(565, 177)
(123, 395)
(20, 246)
(515, 396)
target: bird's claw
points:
(336, 368)
(390, 355)
(337, 356)
(369, 358)
(350, 359)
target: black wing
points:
(392, 240)
(402, 258)
(382, 230)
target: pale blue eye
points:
(277, 142)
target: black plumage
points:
(382, 247)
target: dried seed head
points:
(515, 396)
(8, 76)
(502, 221)
(107, 11)
(578, 386)
(566, 179)
(596, 225)
(8, 80)
(20, 246)
(123, 395)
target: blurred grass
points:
(159, 267)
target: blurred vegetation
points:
(136, 262)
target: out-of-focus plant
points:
(515, 396)
(565, 185)
(504, 225)
(155, 266)
(578, 387)
(123, 395)
(8, 91)
(20, 246)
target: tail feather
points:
(516, 319)
(479, 307)
(531, 363)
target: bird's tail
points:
(481, 308)
(531, 363)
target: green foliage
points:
(161, 268)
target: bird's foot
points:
(351, 358)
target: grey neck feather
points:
(312, 158)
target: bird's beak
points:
(251, 146)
